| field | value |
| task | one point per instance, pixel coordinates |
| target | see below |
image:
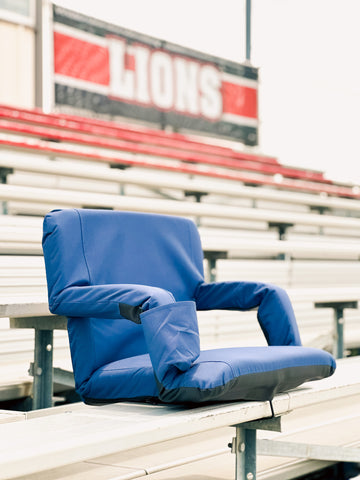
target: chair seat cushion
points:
(247, 373)
(226, 374)
(128, 379)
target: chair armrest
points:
(275, 312)
(109, 301)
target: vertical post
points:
(250, 454)
(44, 56)
(338, 346)
(338, 335)
(245, 451)
(212, 257)
(282, 231)
(198, 196)
(248, 30)
(43, 372)
(4, 172)
(212, 269)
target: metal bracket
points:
(212, 257)
(4, 172)
(244, 445)
(60, 376)
(338, 308)
(42, 368)
(271, 424)
(196, 195)
(281, 228)
(331, 453)
(63, 377)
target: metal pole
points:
(245, 450)
(42, 369)
(212, 269)
(248, 30)
(338, 335)
(339, 332)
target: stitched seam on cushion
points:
(82, 245)
(218, 361)
(192, 259)
(190, 242)
(88, 270)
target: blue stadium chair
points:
(130, 285)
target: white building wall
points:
(17, 64)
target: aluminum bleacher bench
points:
(178, 148)
(65, 198)
(216, 245)
(228, 189)
(134, 133)
(159, 151)
(123, 160)
(217, 162)
(22, 235)
(60, 437)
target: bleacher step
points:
(206, 456)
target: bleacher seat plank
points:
(206, 453)
(226, 189)
(159, 151)
(82, 433)
(135, 140)
(235, 245)
(133, 133)
(46, 148)
(66, 198)
(8, 416)
(25, 238)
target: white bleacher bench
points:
(59, 437)
(236, 245)
(217, 243)
(24, 242)
(99, 141)
(22, 235)
(229, 189)
(41, 199)
(176, 165)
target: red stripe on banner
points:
(82, 60)
(130, 62)
(239, 100)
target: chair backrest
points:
(84, 247)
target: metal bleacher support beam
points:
(42, 367)
(4, 172)
(338, 309)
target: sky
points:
(307, 52)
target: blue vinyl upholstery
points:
(131, 284)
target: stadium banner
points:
(114, 71)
